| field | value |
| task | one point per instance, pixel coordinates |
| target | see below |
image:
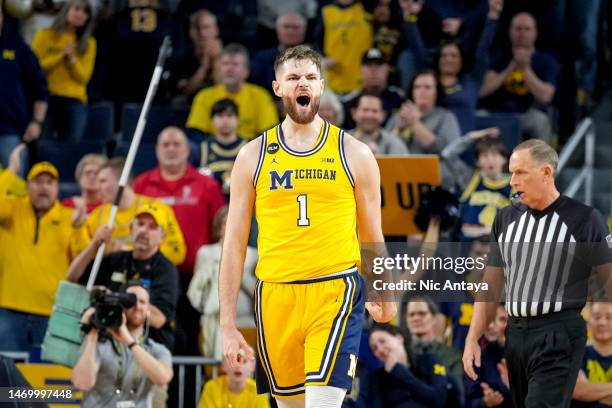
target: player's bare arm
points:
(237, 230)
(366, 175)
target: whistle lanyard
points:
(123, 360)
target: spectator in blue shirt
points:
(405, 380)
(523, 81)
(491, 387)
(451, 18)
(23, 92)
(290, 31)
(594, 383)
(460, 72)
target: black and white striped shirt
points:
(548, 255)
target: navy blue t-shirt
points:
(514, 95)
(22, 82)
(598, 369)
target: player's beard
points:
(302, 118)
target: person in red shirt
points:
(195, 199)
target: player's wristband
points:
(132, 344)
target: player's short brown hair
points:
(300, 53)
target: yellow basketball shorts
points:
(308, 333)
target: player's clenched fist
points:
(235, 349)
(381, 312)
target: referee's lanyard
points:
(123, 360)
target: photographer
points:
(145, 263)
(121, 372)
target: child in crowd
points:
(489, 189)
(234, 389)
(491, 387)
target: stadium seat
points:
(508, 124)
(100, 122)
(157, 119)
(145, 157)
(66, 155)
(69, 189)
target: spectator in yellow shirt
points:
(35, 233)
(234, 389)
(67, 54)
(173, 247)
(344, 33)
(257, 109)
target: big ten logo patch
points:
(272, 148)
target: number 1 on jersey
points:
(303, 220)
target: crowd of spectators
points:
(403, 76)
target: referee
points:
(545, 284)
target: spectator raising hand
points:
(14, 165)
(411, 7)
(37, 231)
(451, 26)
(495, 9)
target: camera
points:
(437, 203)
(109, 308)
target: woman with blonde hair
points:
(67, 52)
(203, 292)
(86, 175)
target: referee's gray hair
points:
(541, 151)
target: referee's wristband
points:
(132, 344)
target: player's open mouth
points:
(303, 100)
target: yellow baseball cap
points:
(154, 211)
(43, 167)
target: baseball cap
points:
(42, 167)
(373, 55)
(154, 211)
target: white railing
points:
(585, 132)
(20, 356)
(198, 363)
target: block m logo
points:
(284, 181)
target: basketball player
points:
(316, 194)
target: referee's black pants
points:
(544, 355)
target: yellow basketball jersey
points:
(347, 36)
(305, 209)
